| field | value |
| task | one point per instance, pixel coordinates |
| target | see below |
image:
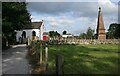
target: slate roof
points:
(35, 25)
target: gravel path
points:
(14, 60)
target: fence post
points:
(59, 64)
(41, 61)
(28, 41)
(46, 55)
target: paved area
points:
(14, 60)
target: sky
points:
(73, 16)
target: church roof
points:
(35, 25)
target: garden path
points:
(14, 60)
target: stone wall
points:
(86, 41)
(95, 41)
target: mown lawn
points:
(86, 59)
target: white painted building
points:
(67, 35)
(34, 32)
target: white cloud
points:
(74, 17)
(59, 20)
(56, 8)
(88, 9)
(53, 21)
(85, 23)
(108, 6)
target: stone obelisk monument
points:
(101, 35)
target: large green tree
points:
(114, 31)
(14, 17)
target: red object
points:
(44, 37)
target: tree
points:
(90, 33)
(64, 32)
(54, 34)
(117, 31)
(83, 36)
(15, 16)
(114, 31)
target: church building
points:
(34, 32)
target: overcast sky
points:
(74, 17)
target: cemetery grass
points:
(85, 59)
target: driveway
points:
(14, 60)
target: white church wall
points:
(28, 33)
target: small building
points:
(67, 35)
(45, 36)
(34, 32)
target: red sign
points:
(44, 37)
